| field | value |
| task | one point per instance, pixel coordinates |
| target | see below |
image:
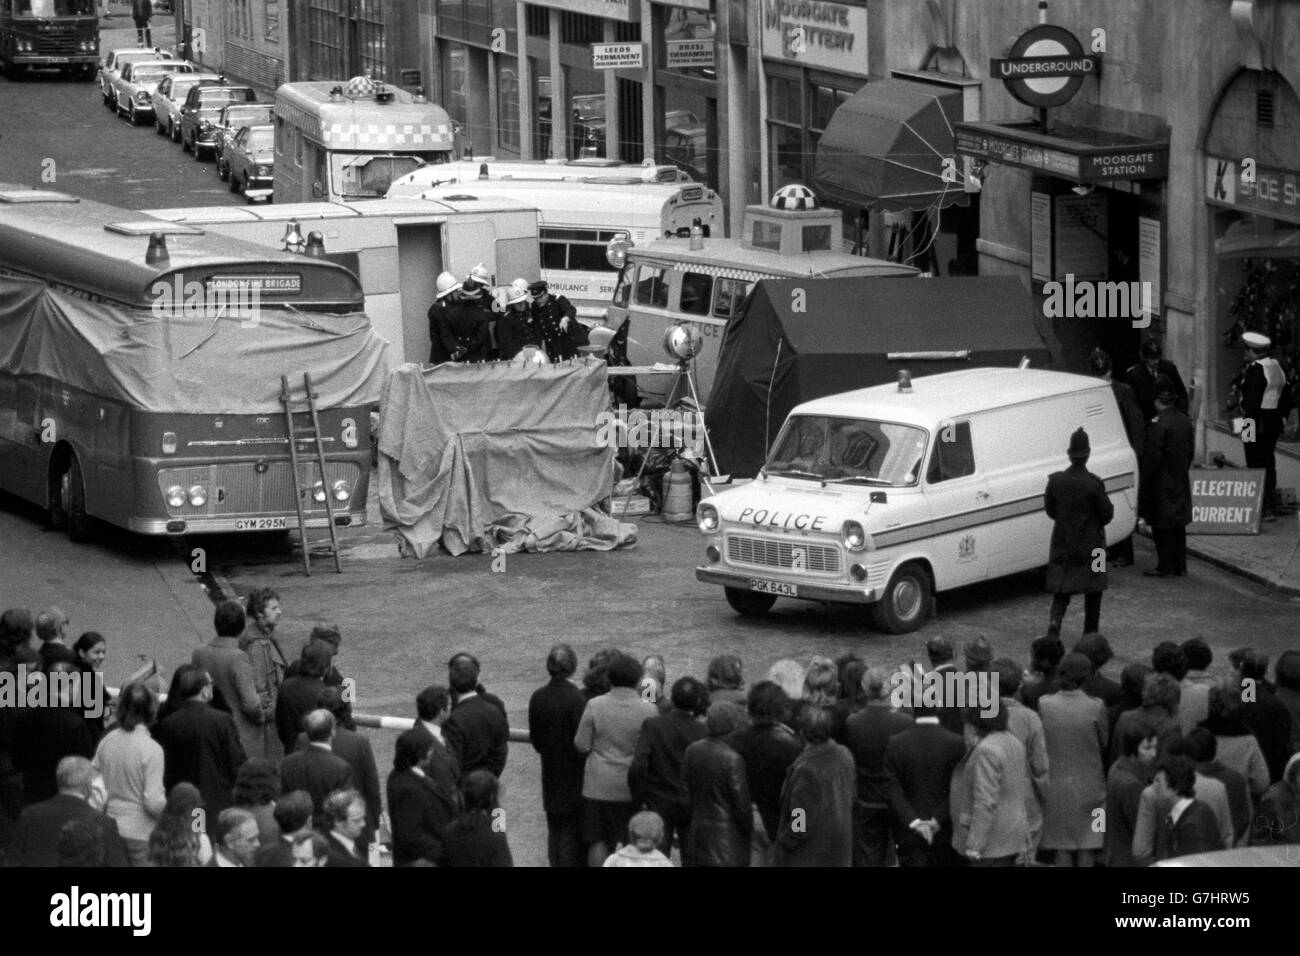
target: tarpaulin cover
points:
(794, 340)
(496, 455)
(189, 364)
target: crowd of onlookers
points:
(254, 760)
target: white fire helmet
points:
(447, 284)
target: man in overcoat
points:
(1165, 498)
(1077, 502)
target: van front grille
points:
(237, 488)
(787, 555)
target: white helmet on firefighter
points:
(518, 292)
(447, 284)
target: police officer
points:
(467, 323)
(1262, 386)
(1077, 503)
(516, 328)
(1142, 379)
(1134, 427)
(558, 321)
(1165, 495)
(448, 286)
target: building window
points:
(241, 19)
(508, 108)
(345, 38)
(580, 29)
(538, 21)
(271, 19)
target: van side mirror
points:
(317, 190)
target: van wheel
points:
(749, 603)
(906, 602)
(68, 506)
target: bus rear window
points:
(651, 286)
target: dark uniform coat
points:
(1166, 494)
(1135, 423)
(1143, 383)
(438, 335)
(466, 332)
(1077, 502)
(516, 329)
(560, 345)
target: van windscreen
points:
(846, 450)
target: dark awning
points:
(885, 147)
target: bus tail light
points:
(198, 496)
(176, 496)
(341, 490)
(169, 443)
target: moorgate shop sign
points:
(816, 33)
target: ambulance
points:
(888, 495)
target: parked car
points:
(133, 87)
(199, 115)
(251, 159)
(231, 120)
(169, 97)
(117, 59)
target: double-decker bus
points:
(49, 33)
(140, 367)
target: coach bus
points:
(576, 222)
(49, 33)
(140, 366)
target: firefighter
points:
(557, 320)
(447, 286)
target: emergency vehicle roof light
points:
(336, 95)
(315, 245)
(905, 381)
(157, 252)
(482, 171)
(293, 240)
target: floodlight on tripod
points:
(683, 343)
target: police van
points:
(888, 495)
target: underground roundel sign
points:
(1045, 66)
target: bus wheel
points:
(749, 603)
(68, 502)
(906, 602)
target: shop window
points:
(825, 101)
(271, 20)
(783, 100)
(787, 154)
(730, 293)
(697, 293)
(652, 287)
(953, 456)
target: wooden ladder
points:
(310, 435)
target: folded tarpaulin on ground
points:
(464, 448)
(588, 530)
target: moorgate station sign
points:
(1027, 147)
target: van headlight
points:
(708, 519)
(854, 536)
(318, 492)
(341, 490)
(176, 496)
(198, 496)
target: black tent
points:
(794, 340)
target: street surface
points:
(402, 619)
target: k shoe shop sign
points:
(1045, 66)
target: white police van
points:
(887, 495)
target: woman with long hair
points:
(132, 764)
(180, 838)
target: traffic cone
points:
(677, 500)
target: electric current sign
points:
(1045, 66)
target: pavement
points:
(1271, 558)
